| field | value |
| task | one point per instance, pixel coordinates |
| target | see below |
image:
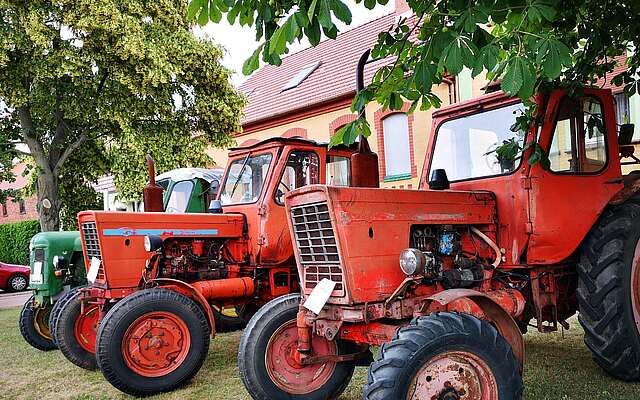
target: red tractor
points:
(446, 278)
(158, 277)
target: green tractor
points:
(57, 264)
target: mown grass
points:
(557, 367)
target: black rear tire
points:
(28, 329)
(425, 338)
(253, 347)
(604, 291)
(57, 308)
(65, 334)
(121, 316)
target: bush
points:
(14, 241)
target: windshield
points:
(245, 179)
(465, 147)
(179, 199)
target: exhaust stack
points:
(152, 193)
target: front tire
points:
(609, 291)
(34, 325)
(267, 368)
(152, 341)
(445, 356)
(75, 331)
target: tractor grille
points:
(316, 241)
(92, 247)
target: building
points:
(309, 95)
(22, 210)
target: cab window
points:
(338, 171)
(579, 139)
(180, 195)
(465, 147)
(245, 179)
(302, 169)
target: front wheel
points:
(152, 341)
(268, 368)
(445, 356)
(34, 325)
(75, 331)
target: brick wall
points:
(13, 212)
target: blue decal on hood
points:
(159, 232)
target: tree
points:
(90, 86)
(530, 45)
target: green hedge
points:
(14, 241)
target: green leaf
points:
(203, 18)
(540, 9)
(513, 79)
(424, 75)
(283, 35)
(341, 11)
(370, 4)
(194, 8)
(313, 32)
(252, 63)
(215, 15)
(312, 10)
(324, 14)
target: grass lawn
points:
(557, 368)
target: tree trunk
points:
(48, 202)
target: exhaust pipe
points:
(152, 193)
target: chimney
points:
(402, 7)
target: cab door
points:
(565, 200)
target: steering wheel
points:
(280, 194)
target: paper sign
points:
(319, 296)
(93, 269)
(36, 273)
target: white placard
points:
(319, 296)
(36, 273)
(93, 269)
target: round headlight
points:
(412, 261)
(152, 242)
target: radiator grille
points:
(92, 246)
(316, 241)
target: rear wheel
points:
(75, 331)
(445, 356)
(17, 283)
(268, 368)
(34, 325)
(609, 291)
(152, 341)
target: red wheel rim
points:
(454, 375)
(85, 328)
(156, 344)
(635, 286)
(286, 373)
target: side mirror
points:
(625, 135)
(439, 180)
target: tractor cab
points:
(189, 189)
(535, 203)
(257, 178)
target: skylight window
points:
(301, 76)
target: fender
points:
(190, 291)
(631, 187)
(489, 309)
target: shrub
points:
(14, 241)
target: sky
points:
(239, 42)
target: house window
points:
(623, 112)
(301, 76)
(23, 210)
(4, 210)
(397, 150)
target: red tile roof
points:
(335, 78)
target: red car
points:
(14, 278)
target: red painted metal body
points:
(515, 235)
(250, 240)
